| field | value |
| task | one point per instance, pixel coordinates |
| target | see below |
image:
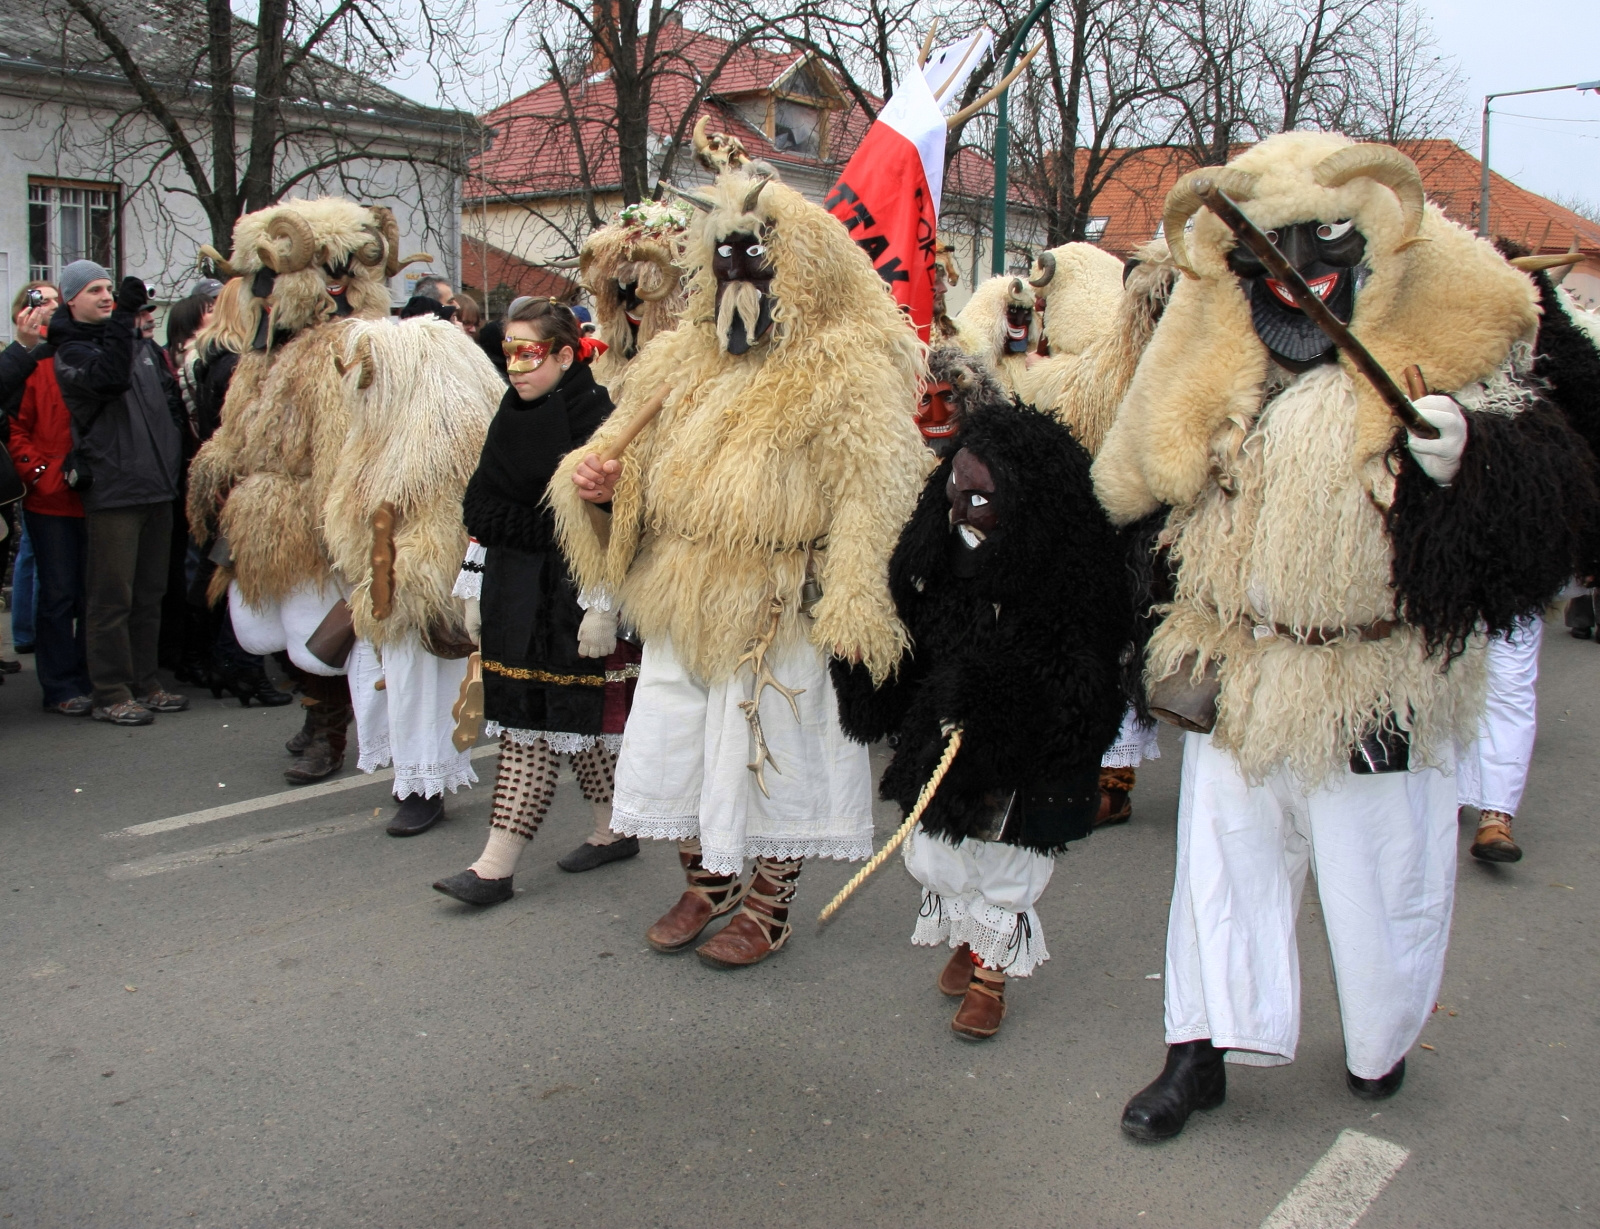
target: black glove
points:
(131, 294)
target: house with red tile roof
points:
(550, 171)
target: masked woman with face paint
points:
(556, 679)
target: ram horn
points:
(754, 195)
(1182, 204)
(416, 258)
(375, 250)
(1388, 166)
(1533, 264)
(698, 199)
(563, 262)
(1047, 270)
(383, 217)
(219, 262)
(302, 243)
(362, 359)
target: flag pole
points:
(1002, 142)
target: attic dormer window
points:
(796, 128)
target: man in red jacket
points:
(41, 440)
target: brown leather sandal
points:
(1115, 786)
(762, 925)
(1493, 842)
(707, 898)
(957, 972)
(984, 1006)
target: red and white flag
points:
(889, 192)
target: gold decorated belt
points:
(562, 680)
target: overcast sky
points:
(1524, 45)
(1499, 45)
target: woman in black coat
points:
(556, 680)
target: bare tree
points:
(249, 110)
(1402, 87)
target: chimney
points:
(603, 18)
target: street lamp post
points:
(1002, 141)
(1483, 156)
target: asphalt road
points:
(271, 1020)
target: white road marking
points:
(250, 844)
(1341, 1186)
(266, 801)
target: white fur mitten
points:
(597, 634)
(1441, 458)
(473, 617)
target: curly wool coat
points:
(1025, 656)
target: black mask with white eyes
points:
(1328, 255)
(742, 266)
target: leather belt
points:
(1316, 637)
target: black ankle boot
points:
(1193, 1079)
(415, 815)
(1380, 1089)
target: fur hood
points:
(416, 431)
(1083, 390)
(754, 456)
(981, 327)
(1437, 297)
(1080, 298)
(647, 257)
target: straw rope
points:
(898, 839)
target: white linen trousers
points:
(285, 626)
(408, 723)
(682, 771)
(1493, 770)
(1384, 851)
(981, 893)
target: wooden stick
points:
(898, 839)
(927, 45)
(641, 420)
(1221, 204)
(966, 113)
(938, 94)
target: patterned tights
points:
(526, 781)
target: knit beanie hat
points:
(77, 275)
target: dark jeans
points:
(60, 618)
(128, 549)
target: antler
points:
(757, 657)
(966, 113)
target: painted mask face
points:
(1328, 255)
(936, 416)
(524, 355)
(743, 271)
(974, 518)
(1019, 324)
(627, 290)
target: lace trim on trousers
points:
(726, 862)
(558, 741)
(1012, 943)
(424, 779)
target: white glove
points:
(473, 617)
(597, 634)
(1441, 458)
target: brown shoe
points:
(762, 925)
(984, 1006)
(957, 972)
(317, 761)
(1115, 786)
(1493, 842)
(707, 898)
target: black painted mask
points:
(1328, 255)
(1019, 324)
(974, 516)
(744, 291)
(632, 311)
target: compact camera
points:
(35, 297)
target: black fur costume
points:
(1025, 656)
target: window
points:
(797, 127)
(1096, 229)
(68, 222)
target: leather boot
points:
(707, 898)
(328, 717)
(761, 926)
(1115, 786)
(1380, 1089)
(983, 1006)
(301, 738)
(956, 975)
(1493, 842)
(1193, 1079)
